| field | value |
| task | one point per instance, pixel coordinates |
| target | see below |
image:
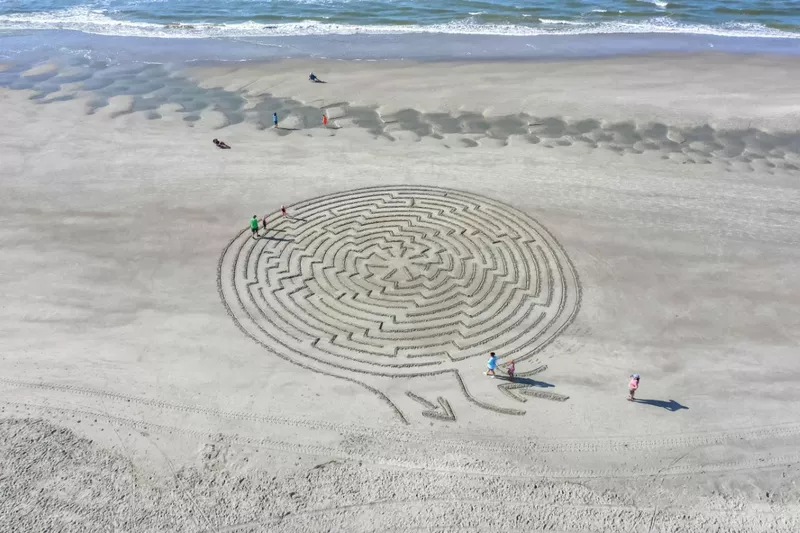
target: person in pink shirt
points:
(510, 368)
(633, 386)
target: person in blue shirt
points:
(491, 364)
(275, 120)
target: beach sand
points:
(661, 194)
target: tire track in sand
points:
(399, 436)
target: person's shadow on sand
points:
(670, 406)
(525, 381)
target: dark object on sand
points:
(313, 77)
(221, 144)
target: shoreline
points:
(33, 45)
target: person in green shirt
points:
(254, 226)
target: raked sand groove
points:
(149, 87)
(401, 282)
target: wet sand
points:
(738, 112)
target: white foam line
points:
(564, 22)
(88, 21)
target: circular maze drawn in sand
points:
(399, 281)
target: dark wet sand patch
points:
(152, 86)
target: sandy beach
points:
(164, 371)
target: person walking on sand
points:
(275, 120)
(254, 226)
(284, 212)
(264, 223)
(491, 365)
(633, 386)
(324, 120)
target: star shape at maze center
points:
(402, 263)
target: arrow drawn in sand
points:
(516, 390)
(442, 412)
(522, 387)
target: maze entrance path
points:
(399, 281)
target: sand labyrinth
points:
(400, 281)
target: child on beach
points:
(324, 120)
(510, 369)
(633, 386)
(275, 120)
(264, 222)
(491, 365)
(283, 211)
(254, 226)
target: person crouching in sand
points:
(633, 386)
(510, 369)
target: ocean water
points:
(179, 31)
(270, 18)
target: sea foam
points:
(98, 22)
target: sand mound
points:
(38, 70)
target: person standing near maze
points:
(633, 386)
(254, 226)
(491, 364)
(264, 223)
(275, 120)
(510, 369)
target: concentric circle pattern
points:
(400, 281)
